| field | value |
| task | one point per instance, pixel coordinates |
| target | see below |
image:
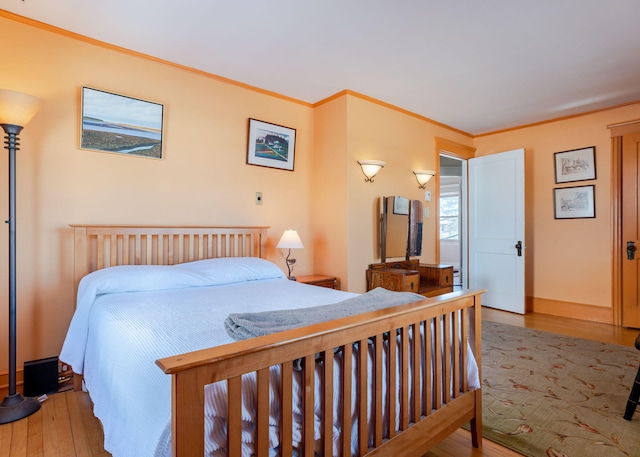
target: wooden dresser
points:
(394, 279)
(411, 276)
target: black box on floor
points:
(40, 377)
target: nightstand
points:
(330, 282)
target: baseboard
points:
(568, 309)
(4, 382)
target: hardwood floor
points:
(65, 425)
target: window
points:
(450, 208)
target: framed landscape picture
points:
(575, 165)
(120, 124)
(271, 145)
(574, 202)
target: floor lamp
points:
(16, 110)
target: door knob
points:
(631, 250)
(518, 246)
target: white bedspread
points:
(122, 325)
(128, 317)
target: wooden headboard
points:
(100, 246)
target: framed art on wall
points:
(575, 165)
(120, 124)
(401, 206)
(574, 202)
(271, 145)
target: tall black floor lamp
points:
(16, 110)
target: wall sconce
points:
(290, 240)
(423, 177)
(370, 168)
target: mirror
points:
(400, 228)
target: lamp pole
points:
(12, 132)
(16, 110)
(14, 406)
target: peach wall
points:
(568, 261)
(328, 200)
(405, 143)
(203, 178)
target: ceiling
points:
(477, 66)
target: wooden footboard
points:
(427, 411)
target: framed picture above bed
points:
(575, 165)
(271, 145)
(121, 124)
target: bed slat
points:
(327, 406)
(346, 395)
(415, 368)
(234, 417)
(309, 414)
(404, 378)
(393, 381)
(262, 425)
(447, 358)
(437, 363)
(363, 367)
(286, 405)
(377, 389)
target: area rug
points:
(546, 394)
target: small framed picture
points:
(120, 124)
(575, 165)
(574, 202)
(271, 145)
(401, 206)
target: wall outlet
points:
(258, 198)
(426, 212)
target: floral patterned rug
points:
(546, 394)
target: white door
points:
(496, 229)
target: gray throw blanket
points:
(241, 326)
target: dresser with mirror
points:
(401, 222)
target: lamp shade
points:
(290, 240)
(423, 176)
(17, 108)
(370, 168)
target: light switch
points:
(427, 195)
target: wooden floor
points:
(65, 425)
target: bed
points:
(276, 394)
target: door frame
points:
(617, 131)
(464, 153)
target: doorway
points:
(452, 217)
